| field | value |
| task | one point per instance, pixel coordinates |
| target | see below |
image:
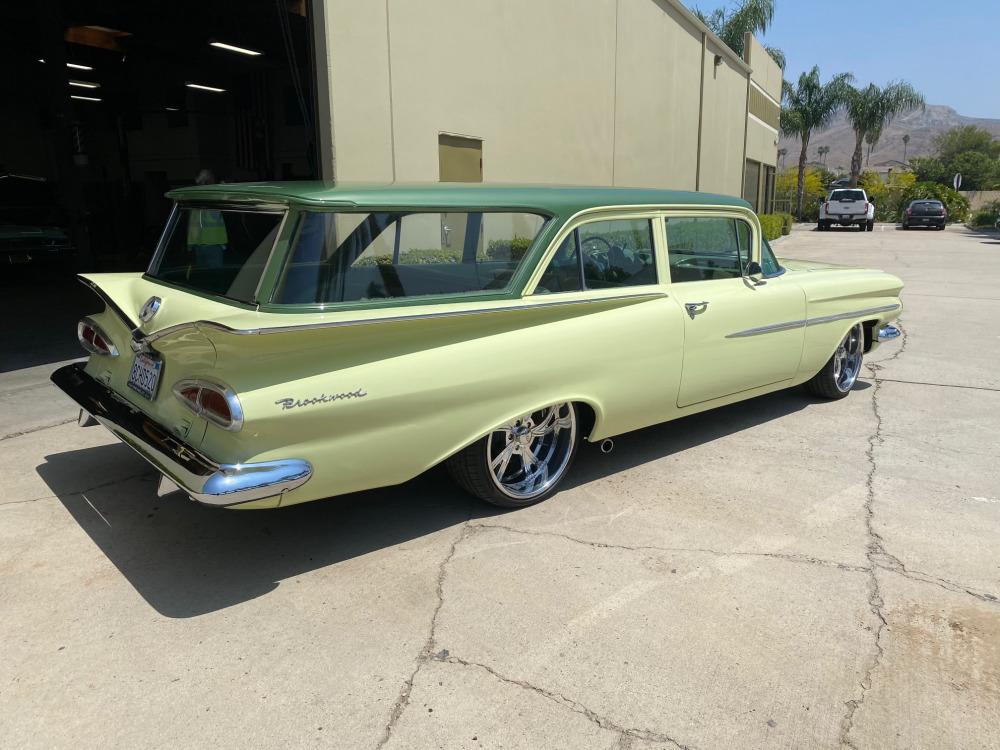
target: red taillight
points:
(909, 212)
(866, 206)
(94, 340)
(826, 206)
(215, 403)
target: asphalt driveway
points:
(783, 572)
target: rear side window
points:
(847, 195)
(602, 255)
(350, 257)
(707, 248)
(217, 251)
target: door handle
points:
(693, 308)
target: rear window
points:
(217, 251)
(350, 257)
(847, 195)
(928, 204)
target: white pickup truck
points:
(847, 206)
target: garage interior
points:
(110, 103)
(114, 102)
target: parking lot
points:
(784, 572)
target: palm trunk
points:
(802, 175)
(859, 142)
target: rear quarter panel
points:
(834, 292)
(434, 386)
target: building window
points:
(751, 184)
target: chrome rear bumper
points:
(205, 480)
(888, 332)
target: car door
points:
(739, 334)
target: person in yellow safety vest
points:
(206, 235)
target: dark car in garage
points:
(32, 227)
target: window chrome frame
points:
(249, 208)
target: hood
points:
(811, 265)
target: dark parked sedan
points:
(925, 213)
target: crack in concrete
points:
(804, 559)
(102, 485)
(874, 551)
(427, 650)
(986, 388)
(30, 430)
(625, 734)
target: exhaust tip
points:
(607, 445)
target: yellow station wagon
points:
(297, 341)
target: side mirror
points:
(753, 269)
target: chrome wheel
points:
(530, 454)
(847, 359)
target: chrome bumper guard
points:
(204, 480)
(888, 333)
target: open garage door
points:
(110, 103)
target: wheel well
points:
(869, 328)
(588, 418)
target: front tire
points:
(522, 462)
(840, 373)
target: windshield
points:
(847, 195)
(345, 257)
(218, 251)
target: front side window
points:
(218, 251)
(707, 248)
(602, 255)
(350, 257)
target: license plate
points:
(145, 376)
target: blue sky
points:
(949, 50)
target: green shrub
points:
(956, 203)
(984, 217)
(772, 225)
(512, 249)
(417, 256)
(787, 220)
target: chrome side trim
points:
(393, 319)
(792, 324)
(852, 314)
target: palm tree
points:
(823, 151)
(810, 104)
(906, 142)
(781, 155)
(871, 109)
(731, 26)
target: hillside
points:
(921, 126)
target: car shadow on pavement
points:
(187, 560)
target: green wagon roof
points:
(556, 199)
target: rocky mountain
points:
(920, 126)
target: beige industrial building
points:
(606, 92)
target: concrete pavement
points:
(779, 573)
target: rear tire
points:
(870, 226)
(522, 462)
(840, 373)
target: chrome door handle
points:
(693, 308)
